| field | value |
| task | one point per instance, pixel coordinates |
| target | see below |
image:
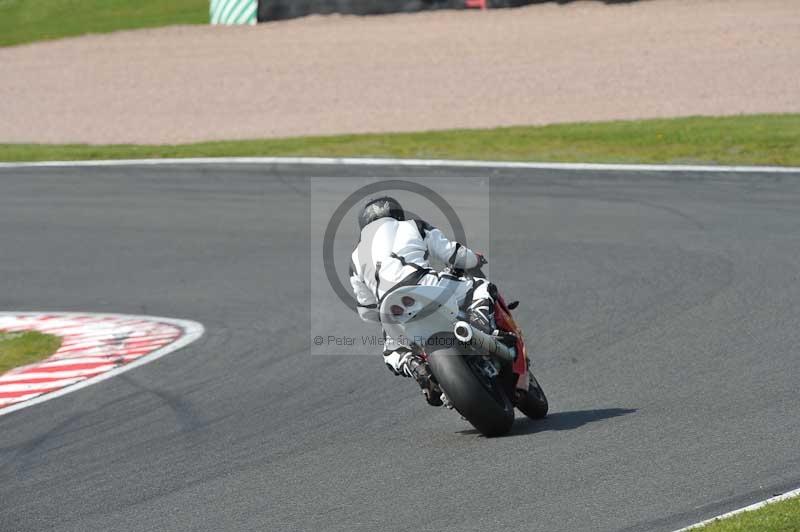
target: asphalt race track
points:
(663, 310)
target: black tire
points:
(482, 402)
(534, 403)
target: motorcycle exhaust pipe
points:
(470, 335)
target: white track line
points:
(424, 163)
(191, 329)
(788, 495)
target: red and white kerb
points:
(93, 347)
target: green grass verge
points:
(783, 516)
(21, 348)
(23, 21)
(745, 140)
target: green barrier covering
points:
(233, 11)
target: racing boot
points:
(415, 367)
(481, 316)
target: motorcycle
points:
(479, 374)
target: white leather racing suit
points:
(394, 253)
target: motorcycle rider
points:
(394, 252)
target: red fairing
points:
(505, 322)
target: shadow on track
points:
(561, 421)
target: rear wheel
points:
(533, 403)
(476, 396)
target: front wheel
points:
(480, 399)
(533, 403)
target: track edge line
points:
(192, 331)
(756, 506)
(423, 163)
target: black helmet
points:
(384, 207)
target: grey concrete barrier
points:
(285, 9)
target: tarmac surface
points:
(663, 313)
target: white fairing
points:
(435, 309)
